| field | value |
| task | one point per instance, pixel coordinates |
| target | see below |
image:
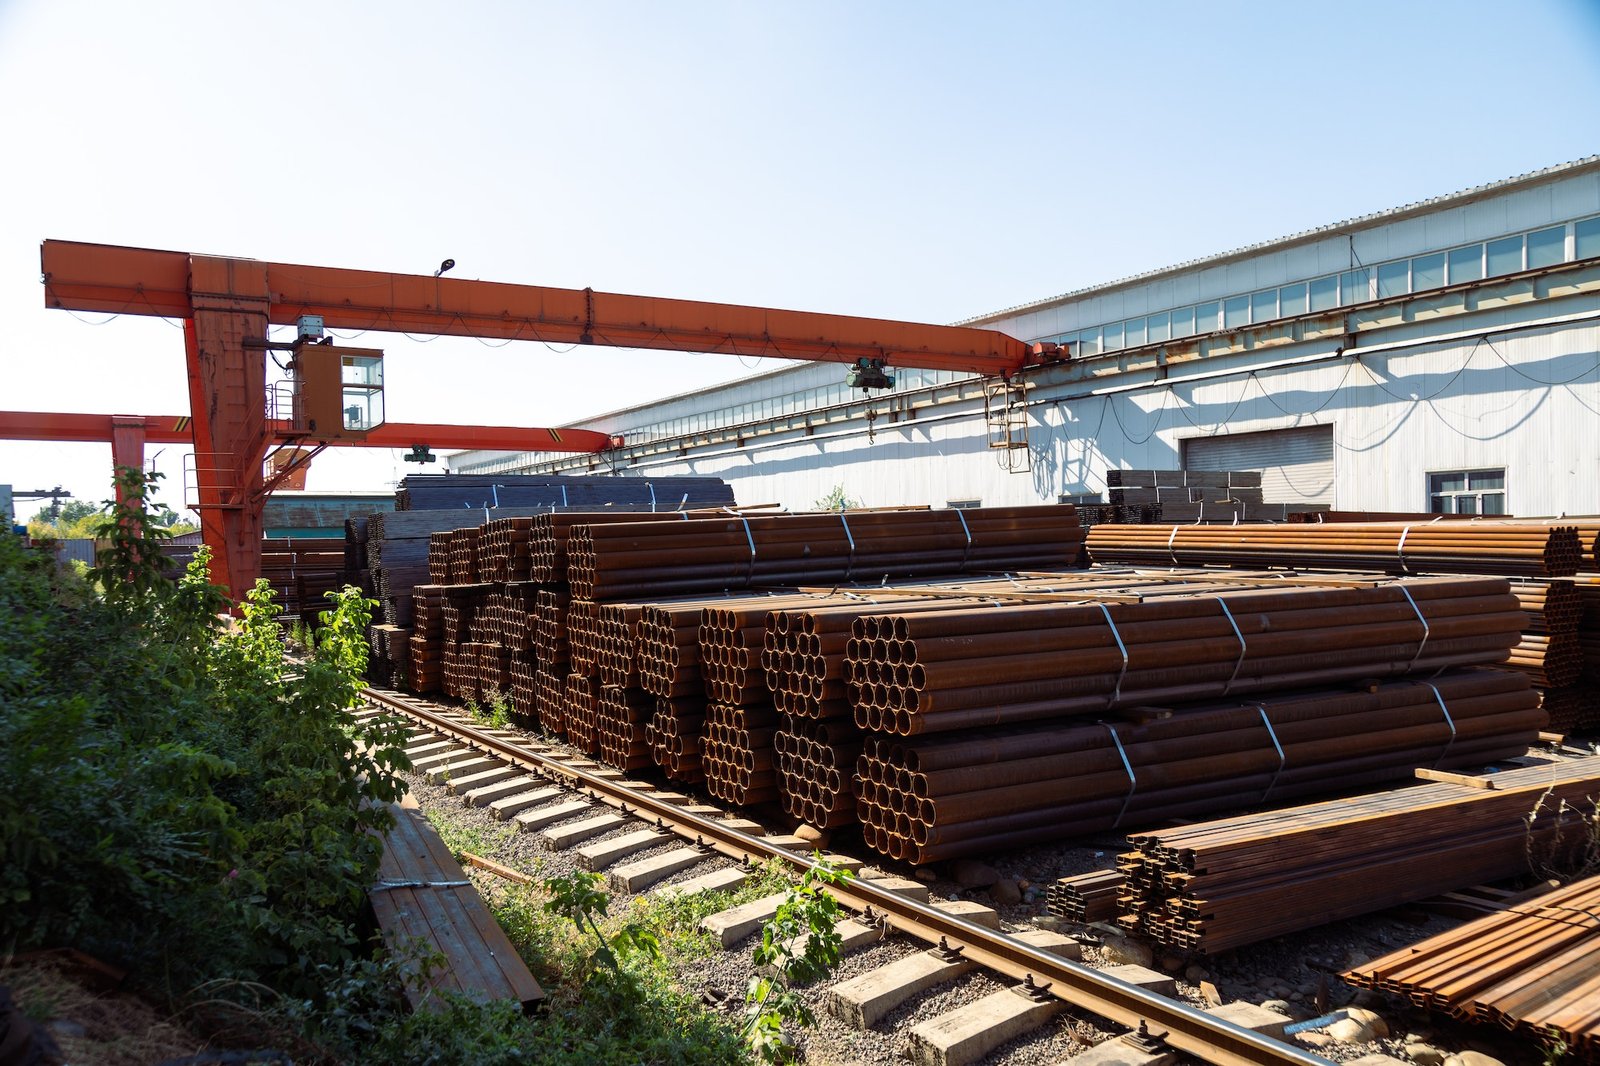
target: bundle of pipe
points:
(731, 639)
(507, 615)
(524, 694)
(427, 638)
(621, 715)
(1552, 660)
(1085, 898)
(462, 604)
(551, 533)
(1222, 884)
(617, 643)
(927, 672)
(1511, 548)
(642, 561)
(580, 712)
(802, 653)
(464, 556)
(503, 549)
(492, 668)
(669, 649)
(550, 626)
(583, 621)
(945, 797)
(550, 699)
(736, 753)
(674, 736)
(439, 556)
(1533, 968)
(1551, 606)
(1573, 709)
(816, 762)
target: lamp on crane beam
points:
(868, 374)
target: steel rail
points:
(1205, 1036)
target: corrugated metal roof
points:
(1393, 214)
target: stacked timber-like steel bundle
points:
(674, 733)
(622, 716)
(969, 667)
(301, 571)
(1509, 548)
(657, 560)
(1533, 968)
(736, 753)
(1188, 495)
(1216, 885)
(427, 638)
(424, 491)
(935, 798)
(816, 761)
(1085, 898)
(389, 659)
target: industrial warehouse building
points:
(1443, 356)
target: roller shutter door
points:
(1296, 464)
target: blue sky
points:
(924, 161)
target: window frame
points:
(1430, 494)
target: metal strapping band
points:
(385, 884)
(1171, 538)
(1133, 782)
(651, 485)
(850, 564)
(1412, 665)
(750, 574)
(564, 496)
(1400, 550)
(1116, 693)
(1451, 722)
(1273, 733)
(683, 501)
(1243, 647)
(968, 531)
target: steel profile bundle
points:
(1084, 898)
(507, 615)
(962, 668)
(580, 712)
(428, 491)
(524, 691)
(1533, 968)
(802, 651)
(439, 556)
(673, 734)
(503, 549)
(669, 649)
(1212, 886)
(736, 753)
(389, 653)
(816, 761)
(427, 638)
(655, 560)
(621, 717)
(943, 797)
(1509, 548)
(462, 605)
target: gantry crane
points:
(227, 305)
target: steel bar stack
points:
(737, 755)
(551, 533)
(1575, 708)
(1085, 898)
(970, 667)
(1216, 885)
(927, 799)
(427, 638)
(426, 491)
(1510, 548)
(1533, 968)
(617, 643)
(659, 560)
(669, 649)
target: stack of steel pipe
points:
(674, 737)
(464, 556)
(492, 669)
(583, 638)
(550, 699)
(427, 638)
(1217, 885)
(617, 643)
(967, 667)
(669, 649)
(462, 605)
(524, 692)
(1085, 898)
(937, 798)
(621, 715)
(1533, 968)
(642, 561)
(816, 762)
(732, 634)
(736, 753)
(439, 556)
(1549, 651)
(550, 534)
(1510, 548)
(508, 612)
(451, 680)
(503, 549)
(550, 627)
(580, 712)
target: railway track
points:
(608, 819)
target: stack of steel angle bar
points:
(1221, 884)
(1534, 968)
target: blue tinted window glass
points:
(1264, 305)
(1158, 327)
(1133, 332)
(1324, 293)
(1089, 342)
(1588, 238)
(1547, 247)
(1183, 322)
(1205, 318)
(1354, 287)
(1466, 264)
(1505, 255)
(1113, 335)
(1292, 300)
(1394, 279)
(1236, 312)
(1427, 272)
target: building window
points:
(1183, 322)
(1113, 336)
(1427, 272)
(1089, 342)
(1292, 300)
(1158, 327)
(1588, 232)
(1133, 332)
(1466, 264)
(1394, 279)
(964, 505)
(1264, 306)
(1505, 256)
(1205, 318)
(1355, 286)
(1325, 293)
(1547, 247)
(1236, 313)
(1467, 492)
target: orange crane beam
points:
(141, 281)
(178, 429)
